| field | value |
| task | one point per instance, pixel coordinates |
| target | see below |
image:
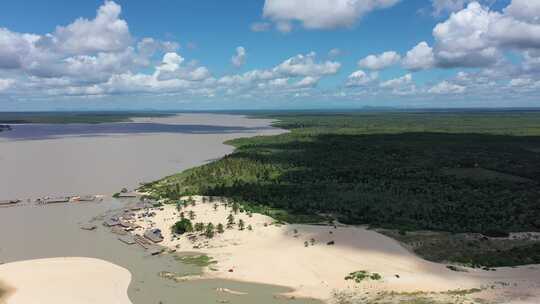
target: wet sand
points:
(39, 160)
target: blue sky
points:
(213, 54)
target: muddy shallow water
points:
(33, 231)
(39, 160)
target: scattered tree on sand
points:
(199, 227)
(220, 229)
(230, 221)
(241, 224)
(191, 214)
(312, 241)
(235, 208)
(306, 244)
(209, 231)
(182, 226)
(182, 215)
(250, 228)
(192, 201)
(215, 207)
(178, 206)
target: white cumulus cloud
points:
(379, 62)
(446, 87)
(361, 78)
(419, 58)
(239, 59)
(322, 14)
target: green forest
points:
(90, 117)
(453, 172)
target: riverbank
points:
(315, 259)
(43, 231)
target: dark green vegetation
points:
(361, 275)
(200, 260)
(72, 117)
(454, 172)
(474, 250)
(182, 226)
(459, 296)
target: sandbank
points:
(65, 281)
(300, 257)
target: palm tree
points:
(230, 221)
(209, 231)
(241, 224)
(220, 228)
(235, 208)
(199, 227)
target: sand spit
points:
(314, 260)
(65, 281)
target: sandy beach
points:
(65, 281)
(302, 257)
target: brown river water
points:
(38, 160)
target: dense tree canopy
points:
(475, 172)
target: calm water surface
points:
(71, 159)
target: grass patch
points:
(361, 275)
(201, 260)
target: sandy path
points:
(65, 281)
(275, 254)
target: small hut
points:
(56, 200)
(154, 235)
(113, 221)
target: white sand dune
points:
(274, 254)
(65, 281)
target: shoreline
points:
(64, 280)
(140, 154)
(301, 268)
(242, 256)
(219, 149)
